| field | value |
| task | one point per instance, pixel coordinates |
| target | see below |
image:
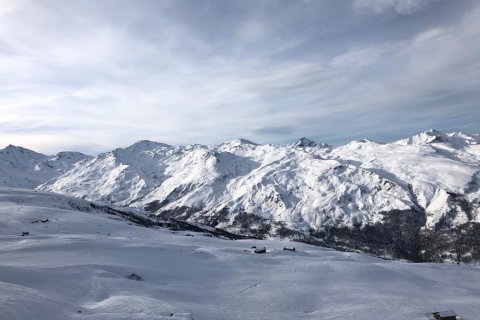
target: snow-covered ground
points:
(75, 266)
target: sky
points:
(93, 75)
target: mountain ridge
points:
(25, 168)
(293, 190)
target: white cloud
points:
(358, 57)
(382, 6)
(97, 83)
(7, 6)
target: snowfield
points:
(76, 266)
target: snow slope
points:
(304, 186)
(432, 165)
(24, 168)
(75, 266)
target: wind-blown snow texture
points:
(77, 264)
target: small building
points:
(260, 250)
(445, 315)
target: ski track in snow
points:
(71, 264)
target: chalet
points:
(260, 250)
(134, 276)
(445, 315)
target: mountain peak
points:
(17, 149)
(14, 147)
(463, 138)
(305, 142)
(425, 137)
(240, 141)
(144, 145)
(70, 155)
(245, 141)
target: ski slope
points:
(75, 266)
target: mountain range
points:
(417, 198)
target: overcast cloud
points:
(96, 74)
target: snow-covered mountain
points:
(294, 186)
(24, 168)
(440, 170)
(305, 142)
(430, 181)
(304, 186)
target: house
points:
(260, 250)
(289, 249)
(445, 315)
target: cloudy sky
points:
(96, 74)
